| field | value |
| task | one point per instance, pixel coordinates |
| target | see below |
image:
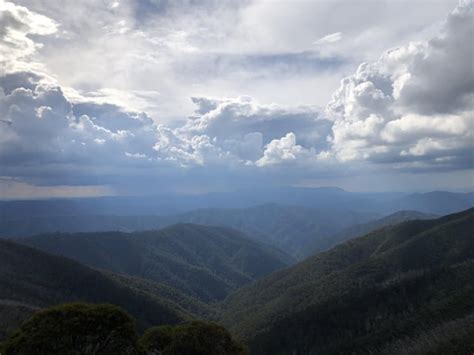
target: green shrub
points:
(194, 338)
(75, 329)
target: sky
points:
(133, 97)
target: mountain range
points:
(381, 203)
(406, 285)
(401, 284)
(204, 262)
(300, 231)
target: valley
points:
(368, 290)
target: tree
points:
(78, 328)
(194, 338)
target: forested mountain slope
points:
(300, 221)
(297, 230)
(204, 262)
(31, 279)
(398, 286)
(359, 230)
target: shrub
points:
(75, 329)
(194, 338)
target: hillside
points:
(435, 202)
(300, 221)
(31, 279)
(359, 230)
(29, 226)
(204, 262)
(398, 286)
(297, 230)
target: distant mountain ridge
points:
(437, 202)
(204, 262)
(297, 230)
(300, 221)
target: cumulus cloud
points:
(284, 150)
(17, 23)
(41, 129)
(411, 109)
(414, 105)
(241, 130)
(46, 138)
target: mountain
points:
(204, 262)
(408, 286)
(31, 279)
(297, 230)
(300, 221)
(435, 202)
(25, 227)
(359, 230)
(167, 204)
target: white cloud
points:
(83, 81)
(283, 150)
(220, 48)
(416, 101)
(241, 131)
(17, 23)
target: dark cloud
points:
(12, 81)
(45, 136)
(443, 77)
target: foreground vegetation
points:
(103, 329)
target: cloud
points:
(241, 131)
(328, 39)
(125, 118)
(414, 106)
(43, 134)
(283, 150)
(218, 48)
(16, 25)
(47, 139)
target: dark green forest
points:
(204, 262)
(402, 289)
(400, 283)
